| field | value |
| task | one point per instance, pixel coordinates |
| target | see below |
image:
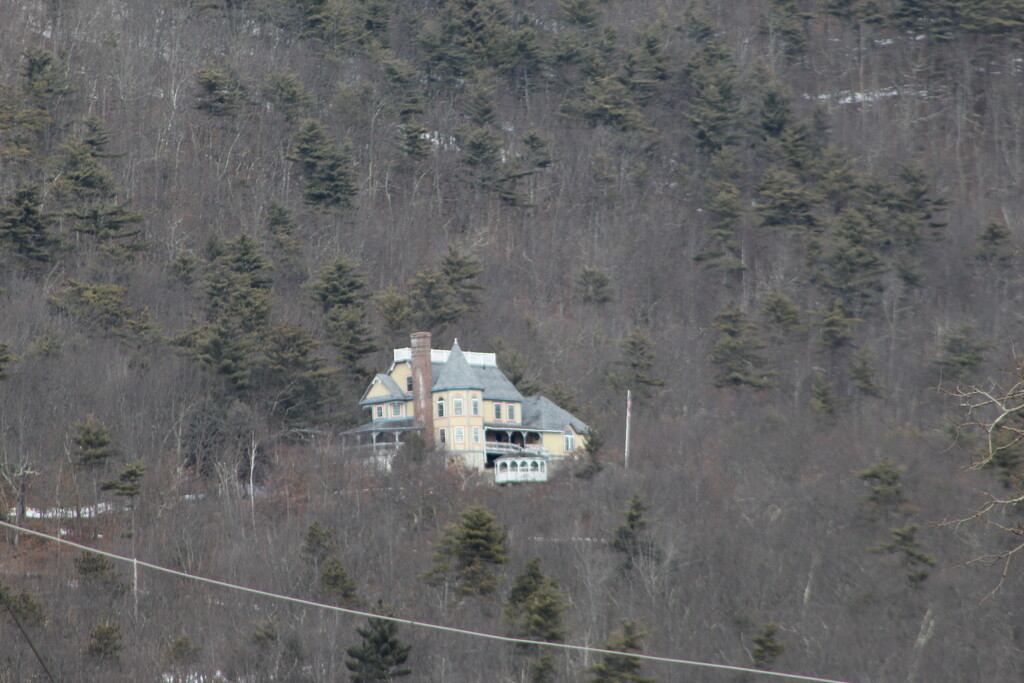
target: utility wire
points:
(24, 634)
(420, 624)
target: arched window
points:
(534, 466)
(474, 405)
(513, 466)
(440, 406)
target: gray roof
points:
(457, 373)
(395, 392)
(489, 378)
(496, 385)
(542, 413)
(397, 424)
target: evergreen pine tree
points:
(862, 372)
(127, 483)
(327, 168)
(823, 398)
(632, 539)
(836, 326)
(381, 656)
(294, 378)
(781, 312)
(348, 331)
(736, 353)
(621, 668)
(462, 270)
(766, 648)
(219, 92)
(93, 440)
(466, 552)
(105, 641)
(885, 480)
(535, 605)
(904, 543)
(336, 586)
(637, 363)
(318, 545)
(961, 354)
(534, 610)
(25, 226)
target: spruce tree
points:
(340, 284)
(638, 364)
(336, 586)
(631, 538)
(862, 373)
(466, 552)
(535, 605)
(904, 543)
(766, 648)
(319, 544)
(736, 354)
(329, 177)
(25, 226)
(380, 656)
(961, 354)
(105, 641)
(621, 668)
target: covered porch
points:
(511, 469)
(500, 440)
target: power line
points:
(24, 634)
(419, 624)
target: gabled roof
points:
(395, 392)
(457, 373)
(542, 413)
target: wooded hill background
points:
(786, 225)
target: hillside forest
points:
(792, 229)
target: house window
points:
(474, 404)
(442, 435)
(457, 406)
(476, 435)
(440, 407)
(570, 441)
(497, 411)
(380, 411)
(460, 435)
(408, 383)
(396, 410)
(511, 411)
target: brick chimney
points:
(422, 380)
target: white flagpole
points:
(629, 411)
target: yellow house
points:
(462, 403)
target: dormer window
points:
(440, 407)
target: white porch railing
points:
(505, 447)
(512, 469)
